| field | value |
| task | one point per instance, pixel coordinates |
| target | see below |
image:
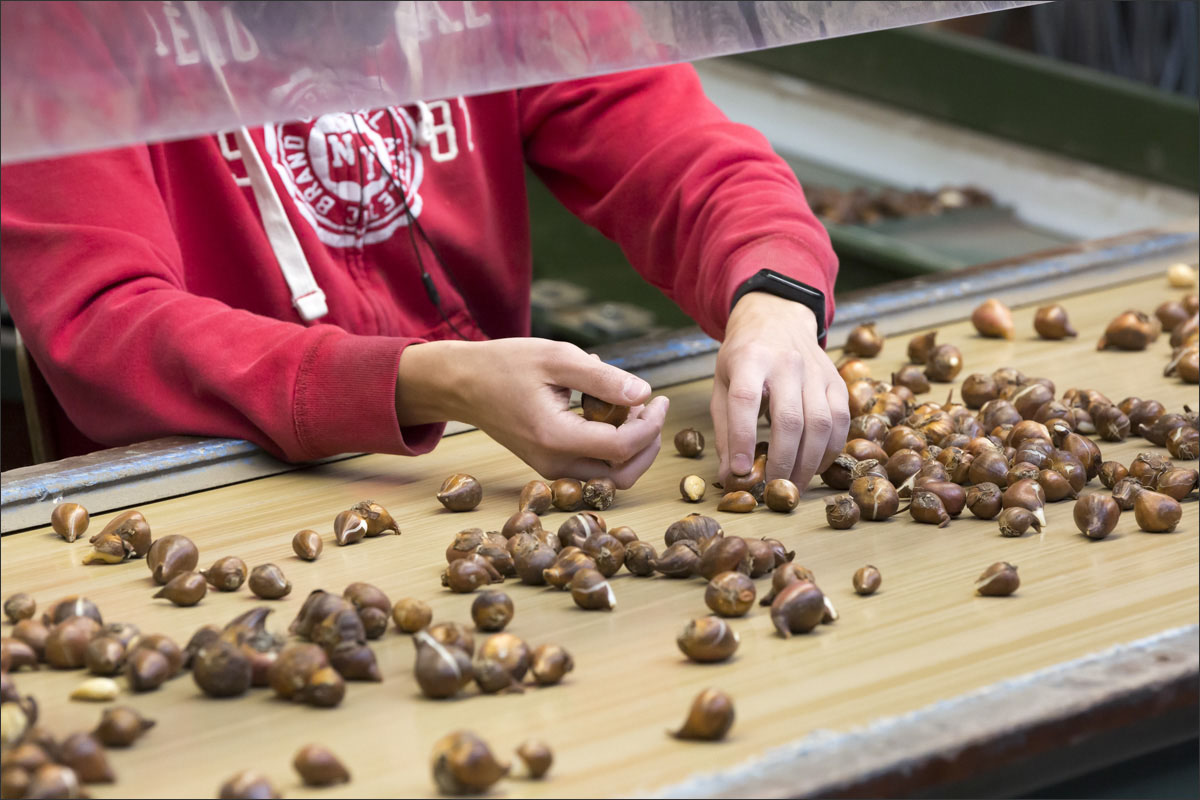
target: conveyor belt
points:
(920, 685)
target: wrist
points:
(428, 384)
(764, 306)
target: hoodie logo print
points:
(331, 168)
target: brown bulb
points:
(492, 611)
(607, 551)
(722, 555)
(854, 369)
(53, 780)
(185, 589)
(325, 688)
(574, 531)
(147, 669)
(867, 580)
(998, 580)
(66, 645)
(1176, 482)
(520, 522)
(222, 670)
(549, 664)
(1096, 515)
(1156, 512)
(292, 670)
(985, 500)
(599, 493)
(624, 534)
(841, 512)
(343, 625)
(797, 608)
(1185, 363)
(33, 633)
(1055, 486)
(460, 492)
(85, 756)
(441, 670)
(1027, 494)
(19, 606)
(227, 574)
(708, 639)
(920, 346)
(536, 497)
(709, 718)
(163, 645)
(536, 757)
(1051, 322)
(912, 377)
(927, 507)
(317, 606)
(202, 638)
(355, 661)
(412, 615)
(532, 564)
(567, 494)
(864, 341)
(944, 363)
(69, 520)
(596, 410)
(104, 655)
(993, 319)
(730, 594)
(16, 654)
(591, 591)
(248, 784)
(508, 650)
(876, 498)
(463, 764)
(307, 545)
(781, 495)
(559, 576)
(1111, 423)
(379, 520)
(1131, 330)
(753, 481)
(694, 527)
(349, 527)
(1016, 521)
(1184, 443)
(692, 488)
(133, 529)
(689, 442)
(268, 582)
(121, 726)
(1111, 472)
(317, 766)
(367, 598)
(680, 560)
(171, 555)
(640, 558)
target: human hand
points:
(771, 348)
(517, 391)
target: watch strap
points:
(772, 282)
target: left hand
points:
(771, 347)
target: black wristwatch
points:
(771, 282)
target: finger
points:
(627, 474)
(717, 407)
(575, 436)
(787, 422)
(575, 369)
(818, 425)
(839, 409)
(742, 404)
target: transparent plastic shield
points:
(81, 76)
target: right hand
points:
(517, 391)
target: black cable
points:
(426, 279)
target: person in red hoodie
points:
(352, 281)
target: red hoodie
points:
(150, 297)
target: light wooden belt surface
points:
(925, 637)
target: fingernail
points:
(635, 389)
(741, 464)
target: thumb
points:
(589, 375)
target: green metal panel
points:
(1063, 108)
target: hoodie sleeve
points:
(697, 203)
(95, 281)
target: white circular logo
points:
(350, 174)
